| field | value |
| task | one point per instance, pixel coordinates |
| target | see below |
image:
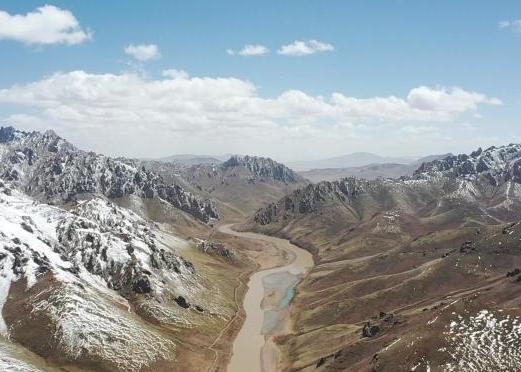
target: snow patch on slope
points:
(96, 329)
(487, 341)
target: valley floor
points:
(266, 305)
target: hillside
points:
(108, 265)
(403, 267)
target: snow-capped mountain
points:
(76, 275)
(53, 170)
(495, 164)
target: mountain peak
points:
(263, 167)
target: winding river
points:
(267, 306)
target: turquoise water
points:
(290, 293)
(284, 283)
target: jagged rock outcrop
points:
(307, 199)
(116, 245)
(51, 169)
(214, 248)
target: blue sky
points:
(380, 49)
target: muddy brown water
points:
(249, 346)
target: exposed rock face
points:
(116, 245)
(51, 169)
(181, 301)
(370, 330)
(496, 164)
(7, 134)
(263, 168)
(215, 248)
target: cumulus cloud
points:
(250, 50)
(143, 52)
(182, 107)
(514, 25)
(303, 48)
(46, 25)
(455, 100)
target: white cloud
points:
(46, 25)
(250, 50)
(303, 48)
(514, 25)
(107, 107)
(455, 100)
(143, 52)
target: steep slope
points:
(52, 170)
(239, 186)
(99, 287)
(406, 267)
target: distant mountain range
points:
(370, 171)
(356, 159)
(191, 159)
